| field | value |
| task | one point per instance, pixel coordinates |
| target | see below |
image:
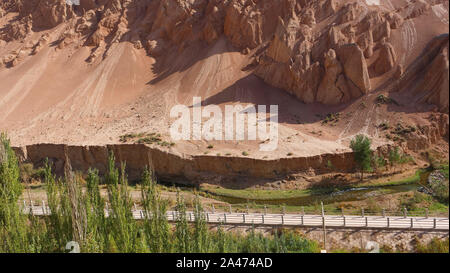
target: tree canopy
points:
(362, 152)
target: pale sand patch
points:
(373, 2)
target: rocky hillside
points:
(323, 52)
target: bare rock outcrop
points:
(415, 9)
(355, 66)
(428, 77)
(45, 13)
(436, 80)
(243, 25)
(17, 30)
(335, 87)
(282, 46)
(328, 92)
(426, 135)
(317, 50)
(386, 60)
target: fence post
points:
(135, 207)
(426, 213)
(434, 223)
(284, 210)
(225, 218)
(324, 234)
(190, 217)
(367, 222)
(24, 205)
(173, 215)
(303, 220)
(213, 209)
(282, 219)
(262, 217)
(231, 210)
(142, 214)
(323, 211)
(43, 207)
(388, 222)
(207, 217)
(404, 212)
(344, 221)
(243, 217)
(412, 223)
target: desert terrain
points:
(89, 74)
(82, 80)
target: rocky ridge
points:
(324, 51)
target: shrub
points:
(382, 99)
(435, 246)
(394, 156)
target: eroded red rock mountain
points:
(91, 72)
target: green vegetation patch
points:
(331, 118)
(435, 246)
(142, 138)
(382, 99)
(256, 194)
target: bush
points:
(440, 190)
(382, 99)
(379, 162)
(435, 246)
(28, 173)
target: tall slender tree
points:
(362, 152)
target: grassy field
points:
(415, 202)
(258, 194)
(255, 194)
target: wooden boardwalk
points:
(298, 220)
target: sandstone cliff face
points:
(45, 13)
(427, 135)
(317, 50)
(428, 77)
(386, 60)
(436, 80)
(185, 169)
